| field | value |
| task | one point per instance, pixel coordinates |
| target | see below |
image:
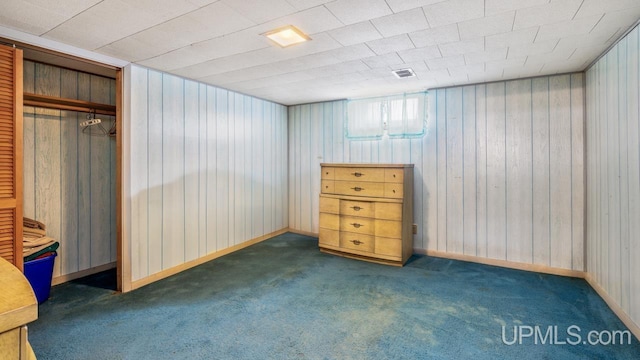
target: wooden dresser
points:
(18, 306)
(366, 211)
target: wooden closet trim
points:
(59, 103)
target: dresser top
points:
(368, 165)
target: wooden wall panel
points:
(173, 219)
(613, 173)
(191, 175)
(100, 177)
(69, 120)
(140, 188)
(69, 176)
(469, 147)
(519, 161)
(483, 168)
(47, 164)
(208, 155)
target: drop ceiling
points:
(355, 43)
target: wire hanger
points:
(93, 126)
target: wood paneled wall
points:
(613, 174)
(498, 175)
(208, 170)
(69, 177)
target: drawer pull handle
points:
(394, 191)
(357, 188)
(357, 174)
(356, 208)
(356, 225)
(356, 242)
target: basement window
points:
(396, 116)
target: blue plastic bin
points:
(39, 273)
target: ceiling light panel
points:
(287, 36)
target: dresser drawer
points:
(388, 211)
(329, 237)
(357, 208)
(359, 188)
(328, 173)
(359, 174)
(327, 186)
(394, 175)
(355, 241)
(388, 228)
(329, 205)
(329, 221)
(388, 246)
(393, 190)
(358, 225)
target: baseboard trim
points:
(300, 232)
(188, 265)
(613, 305)
(76, 275)
(503, 263)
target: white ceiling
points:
(356, 43)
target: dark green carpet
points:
(283, 299)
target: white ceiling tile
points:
(587, 40)
(418, 54)
(337, 69)
(493, 66)
(445, 62)
(453, 11)
(461, 47)
(102, 24)
(261, 11)
(395, 43)
(163, 10)
(459, 71)
(559, 55)
(484, 56)
(400, 23)
(325, 58)
(29, 17)
(544, 47)
(209, 22)
(417, 66)
(402, 5)
(355, 34)
(546, 14)
(306, 4)
(232, 44)
(493, 7)
(134, 49)
(599, 7)
(385, 61)
(567, 28)
(353, 11)
(440, 35)
(517, 37)
(563, 67)
(486, 26)
(257, 57)
(311, 21)
(521, 72)
(615, 21)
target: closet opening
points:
(72, 162)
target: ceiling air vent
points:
(403, 73)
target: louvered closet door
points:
(11, 155)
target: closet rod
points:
(58, 103)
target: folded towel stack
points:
(35, 242)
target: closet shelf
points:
(58, 103)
